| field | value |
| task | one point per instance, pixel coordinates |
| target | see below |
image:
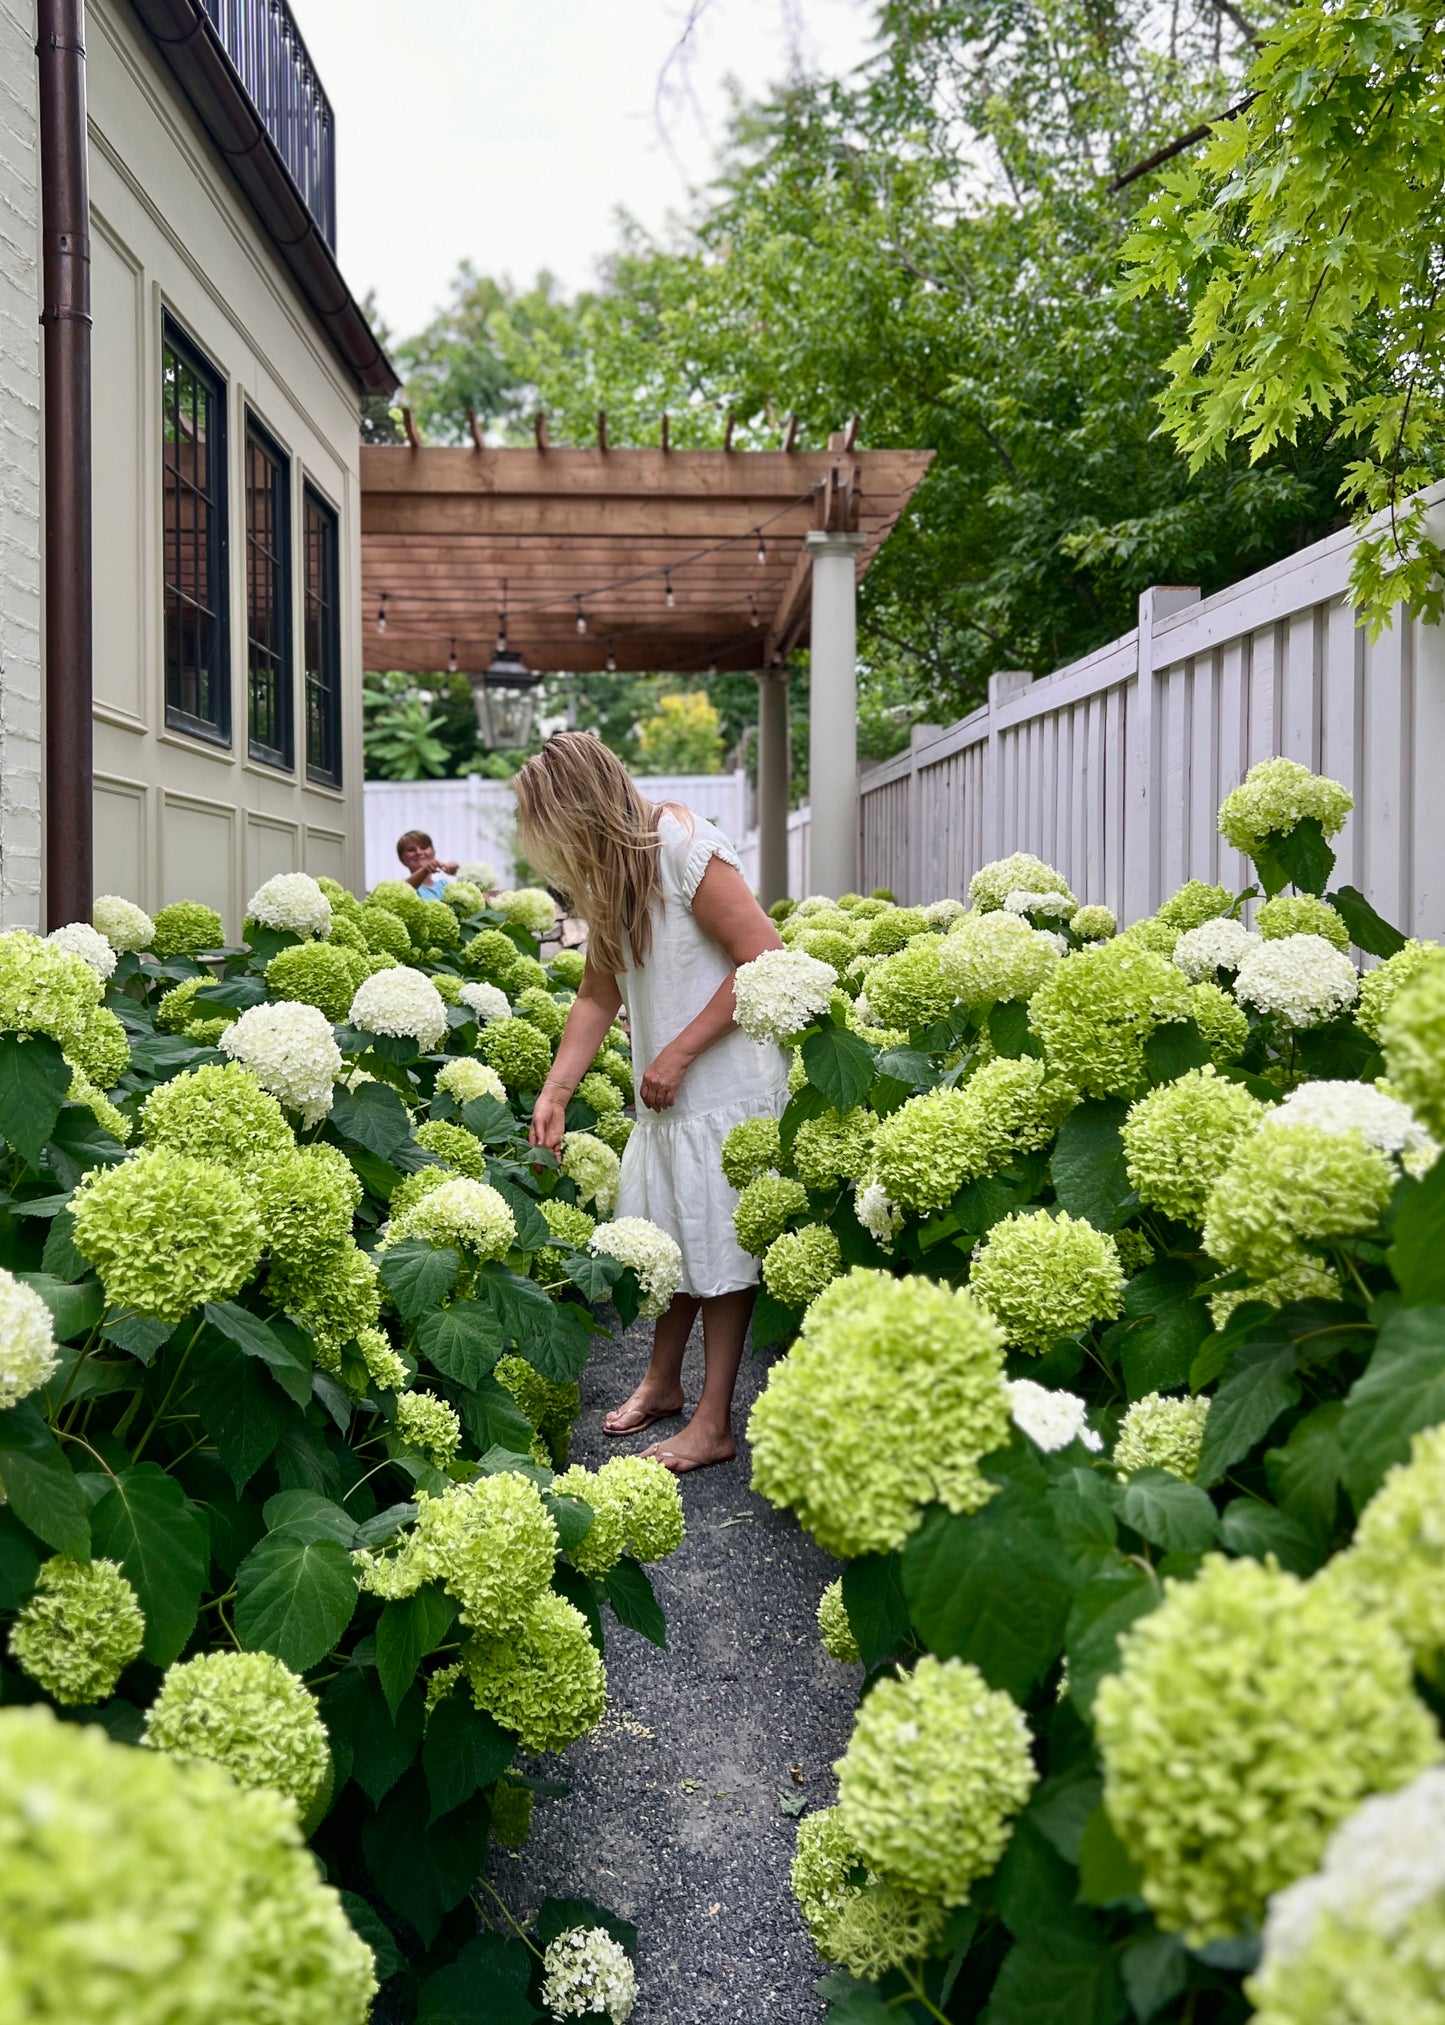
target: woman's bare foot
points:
(642, 1410)
(693, 1448)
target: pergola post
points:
(833, 714)
(773, 775)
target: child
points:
(418, 854)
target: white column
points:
(773, 772)
(833, 714)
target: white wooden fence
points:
(1113, 768)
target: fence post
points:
(1143, 834)
(915, 896)
(1007, 683)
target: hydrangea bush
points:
(291, 1319)
(1120, 1396)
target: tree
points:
(682, 735)
(399, 731)
(469, 359)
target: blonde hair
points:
(582, 823)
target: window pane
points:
(268, 604)
(193, 467)
(322, 642)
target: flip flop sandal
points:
(641, 1424)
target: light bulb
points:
(611, 660)
(452, 660)
(762, 547)
(671, 600)
(753, 619)
(581, 618)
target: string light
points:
(381, 614)
(762, 545)
(671, 600)
(452, 660)
(753, 619)
(611, 658)
(581, 616)
(502, 621)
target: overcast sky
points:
(510, 132)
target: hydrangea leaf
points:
(558, 1914)
(19, 1561)
(1061, 1807)
(772, 1321)
(840, 1065)
(582, 1591)
(1102, 1610)
(138, 1335)
(853, 2003)
(1085, 1519)
(150, 1526)
(374, 1930)
(1162, 1328)
(1417, 1257)
(40, 1484)
(1156, 1970)
(1401, 1391)
(1008, 1028)
(1298, 857)
(408, 1629)
(1059, 1975)
(418, 1276)
(629, 1590)
(383, 1739)
(1367, 931)
(1259, 1383)
(463, 1341)
(311, 1516)
(809, 1102)
(464, 1751)
(1033, 1886)
(485, 1985)
(281, 1354)
(532, 1227)
(60, 1257)
(422, 1871)
(1107, 1873)
(1176, 1516)
(1304, 1476)
(1247, 1526)
(74, 1310)
(242, 1408)
(594, 1274)
(876, 1605)
(493, 1419)
(1173, 1049)
(372, 1116)
(34, 1077)
(1088, 1169)
(554, 1336)
(574, 1519)
(238, 994)
(294, 1597)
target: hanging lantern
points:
(505, 696)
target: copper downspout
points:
(65, 318)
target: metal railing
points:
(263, 42)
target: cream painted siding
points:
(175, 817)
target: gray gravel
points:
(676, 1817)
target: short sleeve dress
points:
(672, 1164)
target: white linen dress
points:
(672, 1164)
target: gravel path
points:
(676, 1818)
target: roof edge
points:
(198, 61)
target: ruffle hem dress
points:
(672, 1164)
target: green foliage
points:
(681, 736)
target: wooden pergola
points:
(648, 561)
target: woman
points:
(669, 919)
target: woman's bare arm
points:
(595, 1007)
(725, 910)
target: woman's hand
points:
(549, 1120)
(662, 1081)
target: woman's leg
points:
(708, 1436)
(660, 1392)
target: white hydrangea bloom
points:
(487, 1001)
(1360, 1107)
(587, 1973)
(294, 901)
(1020, 871)
(291, 1051)
(463, 1212)
(89, 945)
(1019, 900)
(478, 873)
(943, 910)
(1216, 945)
(1060, 942)
(780, 992)
(1383, 1862)
(466, 1078)
(1302, 978)
(529, 907)
(122, 923)
(27, 1341)
(815, 903)
(401, 1002)
(651, 1253)
(1050, 1419)
(878, 1216)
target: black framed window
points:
(268, 597)
(322, 642)
(193, 467)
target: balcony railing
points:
(264, 43)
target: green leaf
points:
(1102, 1610)
(236, 994)
(1417, 1257)
(1253, 1529)
(282, 1354)
(554, 1336)
(1087, 1168)
(310, 1517)
(1084, 1516)
(407, 1631)
(383, 1740)
(424, 1868)
(1304, 1476)
(809, 1102)
(492, 1120)
(485, 1985)
(294, 1597)
(463, 1341)
(1107, 1873)
(1061, 1807)
(1008, 1028)
(1259, 1383)
(40, 1484)
(630, 1592)
(594, 1274)
(556, 1915)
(60, 1257)
(34, 1077)
(1401, 1391)
(1300, 857)
(74, 1310)
(573, 1518)
(150, 1526)
(464, 1750)
(19, 1561)
(876, 1605)
(418, 1276)
(138, 1335)
(241, 1406)
(993, 1587)
(1173, 1049)
(1176, 1516)
(853, 2003)
(1058, 1975)
(911, 1067)
(533, 1230)
(493, 1418)
(1156, 1971)
(1162, 1328)
(840, 1065)
(373, 1929)
(772, 1321)
(1367, 930)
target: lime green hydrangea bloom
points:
(1293, 1185)
(385, 931)
(165, 1232)
(827, 944)
(764, 1208)
(538, 1005)
(526, 971)
(868, 1927)
(436, 927)
(1151, 934)
(1194, 903)
(45, 989)
(219, 1113)
(427, 1423)
(511, 1814)
(1275, 795)
(80, 1630)
(1395, 1565)
(520, 1054)
(493, 955)
(464, 897)
(991, 884)
(1020, 1105)
(800, 1263)
(462, 1151)
(614, 1130)
(176, 1009)
(593, 1168)
(466, 1079)
(543, 1681)
(829, 1149)
(305, 1200)
(185, 928)
(1098, 1007)
(937, 1766)
(1043, 1276)
(249, 1712)
(1134, 1249)
(551, 1405)
(122, 923)
(834, 1627)
(346, 934)
(107, 1115)
(1301, 914)
(472, 1215)
(750, 1149)
(1161, 1432)
(568, 1224)
(491, 1544)
(137, 1888)
(996, 956)
(1222, 1023)
(600, 1092)
(888, 932)
(1252, 1712)
(604, 1543)
(529, 907)
(334, 1300)
(1094, 924)
(386, 1370)
(889, 1400)
(615, 1066)
(1181, 1138)
(342, 900)
(1379, 987)
(925, 1151)
(649, 1500)
(1302, 1279)
(402, 900)
(567, 968)
(1412, 1037)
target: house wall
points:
(20, 665)
(177, 817)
